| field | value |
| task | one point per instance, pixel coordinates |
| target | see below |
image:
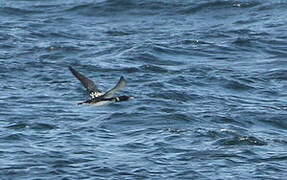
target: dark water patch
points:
(222, 119)
(242, 32)
(156, 85)
(13, 137)
(62, 163)
(42, 126)
(216, 134)
(136, 132)
(153, 54)
(118, 115)
(121, 32)
(18, 11)
(135, 146)
(231, 83)
(78, 7)
(216, 5)
(241, 140)
(103, 170)
(244, 21)
(277, 52)
(267, 6)
(238, 86)
(57, 34)
(102, 8)
(144, 108)
(171, 120)
(179, 116)
(190, 174)
(46, 6)
(140, 8)
(183, 81)
(276, 74)
(277, 121)
(168, 110)
(173, 95)
(130, 70)
(196, 155)
(153, 68)
(243, 42)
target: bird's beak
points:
(132, 97)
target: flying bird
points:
(98, 97)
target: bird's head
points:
(125, 98)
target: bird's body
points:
(103, 101)
(97, 97)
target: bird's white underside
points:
(96, 94)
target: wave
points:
(151, 7)
(241, 140)
(136, 7)
(16, 11)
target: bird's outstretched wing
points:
(87, 83)
(120, 85)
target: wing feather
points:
(86, 82)
(119, 86)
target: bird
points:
(98, 97)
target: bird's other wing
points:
(87, 83)
(120, 85)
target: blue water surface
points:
(209, 79)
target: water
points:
(209, 77)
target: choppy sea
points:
(209, 79)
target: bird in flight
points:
(97, 97)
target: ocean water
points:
(209, 79)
